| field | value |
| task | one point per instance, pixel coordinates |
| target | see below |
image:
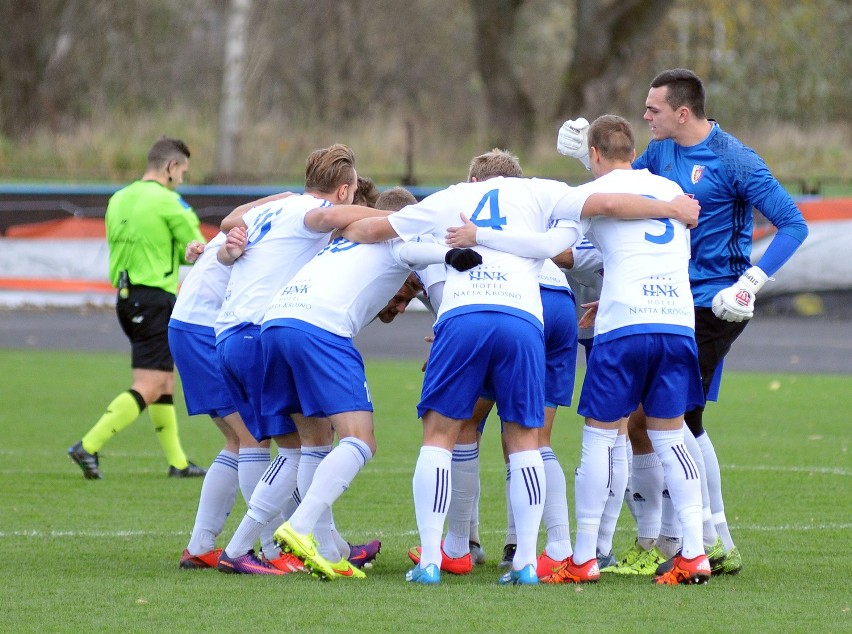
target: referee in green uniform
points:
(148, 227)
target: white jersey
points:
(344, 286)
(551, 276)
(279, 244)
(433, 278)
(503, 282)
(200, 295)
(646, 264)
(586, 278)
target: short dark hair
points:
(329, 168)
(613, 137)
(497, 162)
(166, 149)
(366, 193)
(685, 88)
(394, 199)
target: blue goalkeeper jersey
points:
(728, 179)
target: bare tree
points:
(231, 106)
(511, 117)
(27, 43)
(609, 34)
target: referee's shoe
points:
(190, 471)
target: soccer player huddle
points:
(263, 326)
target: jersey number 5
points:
(666, 236)
(494, 220)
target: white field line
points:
(132, 534)
(837, 471)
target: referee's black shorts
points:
(714, 337)
(144, 318)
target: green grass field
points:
(103, 555)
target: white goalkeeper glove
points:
(573, 140)
(737, 302)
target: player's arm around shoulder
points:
(325, 219)
(634, 206)
(235, 218)
(234, 246)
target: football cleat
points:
(731, 565)
(286, 562)
(88, 462)
(454, 565)
(686, 571)
(362, 555)
(526, 576)
(247, 564)
(508, 556)
(546, 565)
(605, 561)
(428, 576)
(627, 559)
(569, 572)
(189, 471)
(344, 568)
(305, 548)
(716, 555)
(477, 553)
(195, 562)
(638, 561)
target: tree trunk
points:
(511, 118)
(609, 35)
(231, 106)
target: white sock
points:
(332, 477)
(274, 488)
(326, 541)
(218, 494)
(511, 533)
(285, 484)
(684, 485)
(311, 459)
(714, 487)
(591, 488)
(432, 486)
(670, 540)
(465, 478)
(708, 527)
(647, 484)
(628, 492)
(527, 492)
(555, 512)
(474, 516)
(343, 546)
(615, 500)
(252, 463)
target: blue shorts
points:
(241, 359)
(716, 383)
(660, 371)
(560, 347)
(560, 350)
(488, 349)
(312, 371)
(194, 351)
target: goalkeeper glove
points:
(462, 259)
(573, 140)
(737, 302)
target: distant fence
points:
(30, 203)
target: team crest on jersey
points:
(697, 173)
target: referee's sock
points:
(123, 410)
(162, 413)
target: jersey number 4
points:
(493, 220)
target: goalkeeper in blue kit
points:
(728, 179)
